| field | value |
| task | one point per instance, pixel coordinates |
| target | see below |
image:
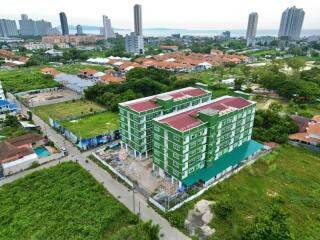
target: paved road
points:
(115, 188)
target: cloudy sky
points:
(188, 14)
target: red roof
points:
(187, 120)
(143, 106)
(147, 104)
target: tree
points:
(11, 121)
(223, 208)
(238, 83)
(270, 225)
(296, 64)
(220, 69)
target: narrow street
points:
(118, 190)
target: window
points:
(176, 173)
(175, 155)
(176, 147)
(193, 136)
(176, 164)
(156, 128)
(156, 136)
(176, 138)
(191, 170)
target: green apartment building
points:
(136, 116)
(204, 142)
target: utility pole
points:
(139, 210)
(134, 208)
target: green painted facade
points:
(182, 153)
(136, 127)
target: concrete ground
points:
(46, 98)
(139, 172)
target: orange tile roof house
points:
(17, 153)
(311, 136)
(50, 71)
(87, 73)
(108, 78)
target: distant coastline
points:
(163, 32)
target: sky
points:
(184, 14)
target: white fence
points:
(114, 170)
(249, 161)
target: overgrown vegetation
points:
(287, 178)
(10, 127)
(25, 79)
(292, 84)
(65, 202)
(271, 126)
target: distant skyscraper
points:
(107, 29)
(291, 23)
(8, 28)
(252, 29)
(28, 27)
(64, 23)
(226, 35)
(137, 19)
(134, 41)
(43, 27)
(79, 30)
(24, 17)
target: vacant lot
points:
(288, 177)
(66, 109)
(75, 68)
(64, 202)
(93, 125)
(25, 79)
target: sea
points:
(202, 33)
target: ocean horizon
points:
(162, 32)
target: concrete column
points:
(180, 184)
(172, 180)
(161, 173)
(153, 167)
(135, 153)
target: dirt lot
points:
(139, 172)
(45, 98)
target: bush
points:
(34, 164)
(269, 226)
(223, 208)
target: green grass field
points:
(75, 68)
(93, 125)
(288, 173)
(62, 110)
(25, 79)
(64, 202)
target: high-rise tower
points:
(252, 29)
(64, 23)
(107, 29)
(291, 23)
